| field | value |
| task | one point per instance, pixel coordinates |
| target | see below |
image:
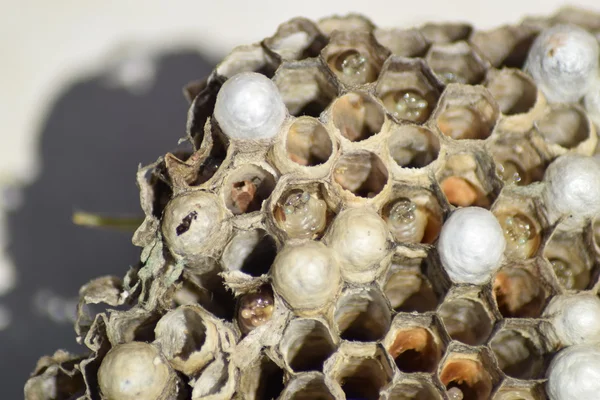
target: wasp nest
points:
(364, 213)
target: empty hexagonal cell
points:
(570, 260)
(520, 222)
(402, 42)
(506, 45)
(204, 285)
(355, 57)
(415, 343)
(456, 63)
(189, 167)
(362, 173)
(362, 315)
(249, 58)
(308, 142)
(521, 290)
(517, 160)
(565, 125)
(466, 318)
(407, 287)
(263, 379)
(413, 215)
(307, 386)
(251, 252)
(468, 179)
(446, 32)
(304, 87)
(246, 188)
(255, 309)
(357, 116)
(362, 371)
(296, 39)
(467, 374)
(518, 354)
(408, 89)
(513, 90)
(301, 212)
(466, 112)
(306, 344)
(413, 146)
(348, 22)
(414, 389)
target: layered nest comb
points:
(389, 130)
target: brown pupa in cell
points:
(462, 193)
(467, 378)
(518, 292)
(415, 350)
(255, 309)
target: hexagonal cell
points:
(466, 316)
(566, 125)
(362, 173)
(446, 32)
(188, 339)
(584, 17)
(296, 39)
(519, 352)
(468, 179)
(246, 188)
(308, 142)
(301, 212)
(460, 192)
(413, 215)
(204, 285)
(362, 315)
(250, 58)
(512, 389)
(402, 42)
(251, 252)
(521, 290)
(517, 160)
(413, 146)
(414, 389)
(467, 373)
(514, 91)
(415, 343)
(521, 223)
(456, 63)
(307, 386)
(304, 87)
(466, 112)
(362, 370)
(568, 256)
(408, 89)
(306, 344)
(506, 45)
(357, 116)
(355, 57)
(262, 380)
(407, 287)
(255, 309)
(348, 22)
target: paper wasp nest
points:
(292, 252)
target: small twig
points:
(91, 220)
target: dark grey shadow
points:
(91, 145)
